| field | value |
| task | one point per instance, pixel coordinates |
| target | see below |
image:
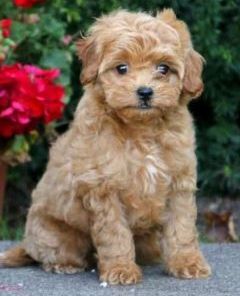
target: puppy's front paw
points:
(190, 267)
(121, 273)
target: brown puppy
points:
(121, 181)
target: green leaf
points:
(55, 58)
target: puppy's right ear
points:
(87, 53)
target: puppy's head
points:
(144, 65)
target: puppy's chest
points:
(148, 181)
(148, 174)
(143, 214)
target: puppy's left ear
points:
(192, 81)
(87, 53)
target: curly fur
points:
(121, 181)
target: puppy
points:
(121, 182)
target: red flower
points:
(5, 25)
(27, 3)
(28, 96)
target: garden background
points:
(43, 34)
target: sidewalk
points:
(32, 281)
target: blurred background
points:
(42, 33)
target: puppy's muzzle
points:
(145, 95)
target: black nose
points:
(145, 93)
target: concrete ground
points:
(32, 281)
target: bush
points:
(42, 34)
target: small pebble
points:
(104, 284)
(93, 270)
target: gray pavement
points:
(32, 281)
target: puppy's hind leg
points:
(57, 246)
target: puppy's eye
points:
(122, 69)
(163, 69)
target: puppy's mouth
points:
(144, 106)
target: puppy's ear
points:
(192, 81)
(169, 17)
(87, 53)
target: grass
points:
(10, 233)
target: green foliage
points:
(10, 233)
(215, 27)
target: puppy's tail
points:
(15, 257)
